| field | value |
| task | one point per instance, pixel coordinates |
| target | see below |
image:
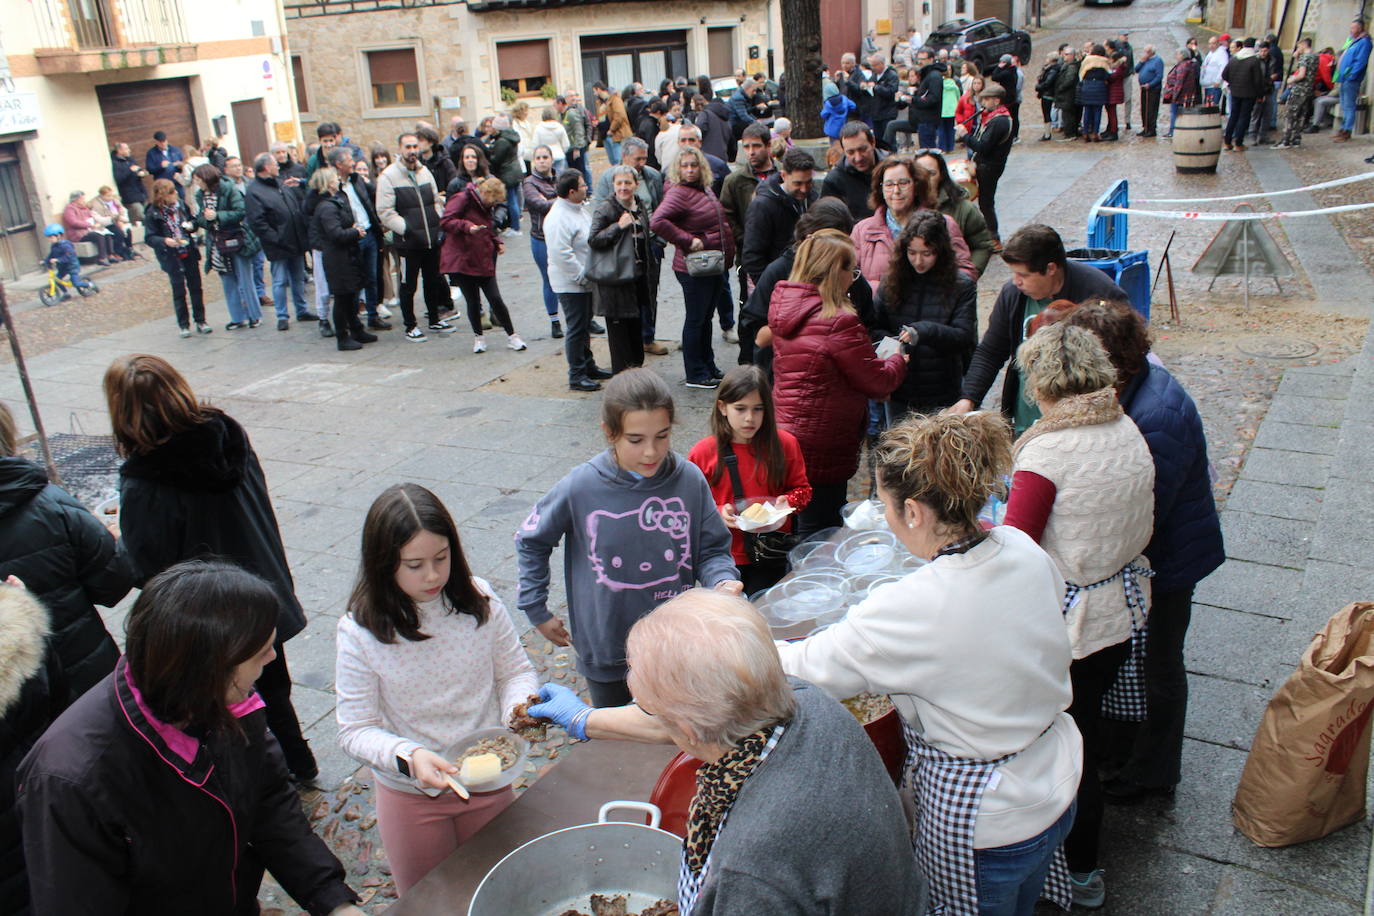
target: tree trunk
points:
(801, 61)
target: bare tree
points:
(802, 65)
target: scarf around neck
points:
(718, 785)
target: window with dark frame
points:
(298, 77)
(395, 78)
(15, 215)
(524, 67)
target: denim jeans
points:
(1173, 115)
(1272, 106)
(239, 295)
(577, 308)
(289, 272)
(700, 297)
(367, 250)
(1239, 121)
(612, 150)
(541, 260)
(1211, 96)
(258, 286)
(513, 206)
(1092, 118)
(726, 307)
(1010, 877)
(1350, 94)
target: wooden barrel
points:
(1197, 139)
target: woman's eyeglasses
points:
(896, 183)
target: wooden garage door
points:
(133, 111)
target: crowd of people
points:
(851, 305)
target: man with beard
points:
(408, 206)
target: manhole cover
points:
(1278, 348)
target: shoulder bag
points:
(708, 262)
(614, 266)
(768, 547)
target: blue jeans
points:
(946, 134)
(541, 260)
(239, 294)
(1010, 877)
(1211, 96)
(258, 260)
(367, 250)
(1173, 115)
(700, 297)
(1272, 106)
(612, 150)
(1092, 118)
(289, 272)
(1350, 94)
(513, 206)
(726, 307)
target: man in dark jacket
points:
(359, 193)
(852, 180)
(162, 159)
(1040, 273)
(408, 206)
(883, 87)
(503, 153)
(128, 178)
(851, 80)
(1066, 92)
(276, 218)
(772, 216)
(1248, 78)
(1006, 75)
(924, 106)
(434, 157)
(990, 144)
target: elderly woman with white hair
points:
(794, 813)
(971, 647)
(1083, 487)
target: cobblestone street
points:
(1283, 386)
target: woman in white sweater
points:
(1083, 487)
(972, 649)
(426, 655)
(551, 133)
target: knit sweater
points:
(1103, 511)
(971, 648)
(394, 699)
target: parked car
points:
(983, 41)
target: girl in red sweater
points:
(769, 460)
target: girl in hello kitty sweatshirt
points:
(639, 525)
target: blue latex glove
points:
(564, 707)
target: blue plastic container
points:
(1109, 252)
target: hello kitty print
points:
(641, 548)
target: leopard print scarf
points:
(717, 786)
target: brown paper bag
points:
(1305, 776)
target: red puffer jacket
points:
(688, 213)
(824, 373)
(465, 251)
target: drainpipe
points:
(284, 58)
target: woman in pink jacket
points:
(900, 189)
(692, 219)
(471, 245)
(82, 226)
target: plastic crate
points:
(1129, 269)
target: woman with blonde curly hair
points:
(692, 219)
(1083, 487)
(995, 759)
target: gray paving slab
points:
(1257, 588)
(1307, 411)
(1296, 437)
(1281, 500)
(1312, 385)
(1234, 645)
(1226, 710)
(310, 653)
(1343, 368)
(1327, 587)
(335, 765)
(1303, 469)
(1354, 457)
(1265, 539)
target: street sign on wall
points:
(19, 112)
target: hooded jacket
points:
(770, 224)
(203, 493)
(835, 113)
(1092, 80)
(929, 97)
(33, 692)
(973, 226)
(852, 186)
(440, 166)
(116, 821)
(68, 560)
(1246, 75)
(1066, 86)
(824, 374)
(503, 153)
(465, 251)
(629, 544)
(275, 215)
(1186, 545)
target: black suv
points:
(983, 42)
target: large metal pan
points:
(561, 870)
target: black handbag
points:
(768, 547)
(614, 266)
(230, 241)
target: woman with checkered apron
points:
(972, 649)
(1083, 488)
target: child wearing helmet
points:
(62, 257)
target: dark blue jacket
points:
(1186, 546)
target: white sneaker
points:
(383, 312)
(442, 327)
(515, 343)
(479, 345)
(729, 336)
(416, 335)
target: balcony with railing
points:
(81, 36)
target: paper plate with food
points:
(762, 516)
(489, 759)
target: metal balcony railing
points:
(107, 24)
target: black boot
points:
(346, 342)
(557, 330)
(326, 329)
